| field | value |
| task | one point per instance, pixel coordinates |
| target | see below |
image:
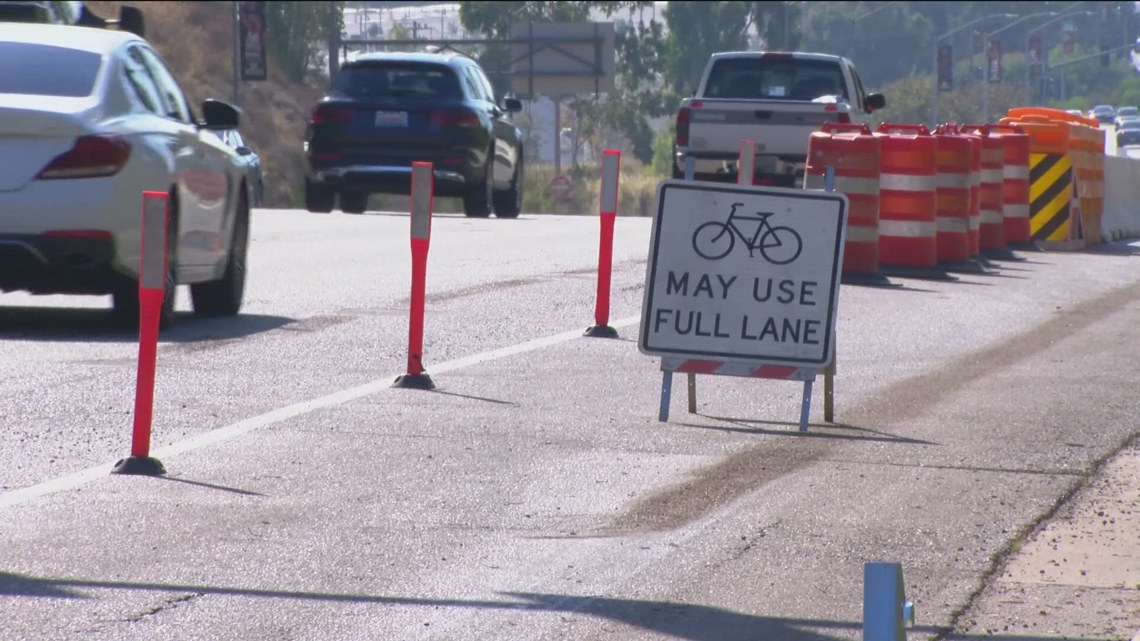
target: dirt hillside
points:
(195, 40)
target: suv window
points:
(397, 79)
(44, 70)
(772, 78)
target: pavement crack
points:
(167, 604)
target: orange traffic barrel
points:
(908, 196)
(853, 151)
(991, 225)
(1015, 182)
(974, 214)
(955, 158)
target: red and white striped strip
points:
(738, 368)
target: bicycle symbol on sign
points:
(778, 245)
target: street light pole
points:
(985, 43)
(1044, 46)
(934, 69)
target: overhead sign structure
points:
(744, 273)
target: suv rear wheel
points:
(477, 202)
(319, 198)
(353, 202)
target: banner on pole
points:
(251, 40)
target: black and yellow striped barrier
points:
(1050, 196)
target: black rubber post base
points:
(141, 465)
(869, 280)
(601, 331)
(414, 381)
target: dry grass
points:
(196, 41)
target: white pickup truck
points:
(774, 99)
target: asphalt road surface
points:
(534, 494)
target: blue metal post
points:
(886, 612)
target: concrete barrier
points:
(1121, 217)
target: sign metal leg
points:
(805, 408)
(666, 392)
(692, 380)
(829, 392)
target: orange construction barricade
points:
(955, 158)
(854, 152)
(908, 205)
(1051, 176)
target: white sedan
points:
(89, 120)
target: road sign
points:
(560, 186)
(743, 273)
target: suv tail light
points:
(453, 118)
(323, 114)
(682, 137)
(91, 157)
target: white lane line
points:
(77, 479)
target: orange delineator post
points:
(908, 226)
(854, 152)
(955, 157)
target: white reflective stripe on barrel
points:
(844, 184)
(953, 225)
(991, 176)
(1015, 172)
(990, 216)
(975, 223)
(1016, 211)
(862, 234)
(907, 228)
(904, 182)
(953, 181)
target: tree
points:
(696, 31)
(297, 32)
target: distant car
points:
(1126, 112)
(1075, 112)
(89, 120)
(1128, 133)
(252, 162)
(1104, 114)
(387, 110)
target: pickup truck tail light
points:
(841, 116)
(682, 137)
(453, 118)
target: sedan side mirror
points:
(875, 101)
(513, 105)
(243, 151)
(219, 115)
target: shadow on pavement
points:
(100, 326)
(677, 620)
(792, 428)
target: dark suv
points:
(386, 110)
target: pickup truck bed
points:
(774, 99)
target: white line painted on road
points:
(77, 479)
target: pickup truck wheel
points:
(319, 199)
(508, 204)
(223, 297)
(477, 202)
